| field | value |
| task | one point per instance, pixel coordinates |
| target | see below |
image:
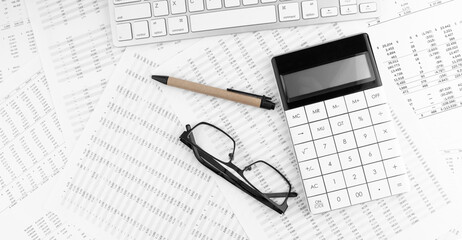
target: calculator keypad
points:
(347, 150)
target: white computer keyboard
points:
(136, 22)
(347, 150)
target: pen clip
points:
(263, 97)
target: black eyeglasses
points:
(214, 147)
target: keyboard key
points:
(314, 186)
(131, 12)
(289, 12)
(334, 181)
(249, 2)
(329, 12)
(335, 106)
(394, 167)
(339, 199)
(296, 116)
(195, 5)
(268, 1)
(374, 96)
(345, 141)
(141, 30)
(158, 28)
(370, 154)
(354, 176)
(385, 131)
(320, 129)
(340, 124)
(355, 101)
(399, 184)
(160, 8)
(178, 25)
(379, 189)
(380, 113)
(347, 2)
(316, 111)
(374, 171)
(233, 18)
(349, 159)
(389, 149)
(365, 136)
(310, 9)
(125, 1)
(177, 6)
(329, 164)
(368, 7)
(124, 32)
(360, 119)
(319, 204)
(359, 194)
(349, 9)
(310, 169)
(300, 134)
(305, 151)
(231, 3)
(325, 146)
(213, 4)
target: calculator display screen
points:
(328, 75)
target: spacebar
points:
(233, 18)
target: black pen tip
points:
(161, 79)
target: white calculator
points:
(340, 124)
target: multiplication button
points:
(385, 131)
(300, 134)
(374, 96)
(319, 204)
(296, 116)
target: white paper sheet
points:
(130, 177)
(422, 59)
(242, 62)
(17, 43)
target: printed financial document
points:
(17, 43)
(422, 59)
(129, 176)
(242, 62)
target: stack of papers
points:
(90, 144)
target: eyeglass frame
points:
(213, 164)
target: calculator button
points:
(340, 124)
(374, 171)
(385, 131)
(305, 151)
(365, 136)
(374, 96)
(389, 149)
(329, 164)
(355, 101)
(380, 114)
(349, 159)
(335, 106)
(296, 116)
(399, 184)
(368, 7)
(320, 129)
(379, 189)
(345, 141)
(359, 194)
(334, 181)
(360, 119)
(314, 186)
(394, 166)
(319, 204)
(325, 146)
(347, 2)
(370, 154)
(300, 134)
(349, 9)
(354, 176)
(310, 169)
(339, 199)
(316, 111)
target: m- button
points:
(296, 116)
(355, 101)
